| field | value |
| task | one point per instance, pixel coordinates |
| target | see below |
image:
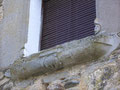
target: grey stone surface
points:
(65, 55)
(1, 13)
(55, 76)
(108, 14)
(7, 73)
(57, 85)
(1, 2)
(3, 81)
(1, 75)
(98, 75)
(24, 83)
(71, 83)
(8, 86)
(13, 30)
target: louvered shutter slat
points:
(66, 20)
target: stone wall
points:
(108, 14)
(76, 65)
(13, 30)
(103, 74)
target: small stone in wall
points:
(38, 85)
(24, 83)
(1, 13)
(57, 85)
(119, 57)
(1, 75)
(5, 80)
(17, 88)
(82, 85)
(8, 86)
(70, 84)
(7, 73)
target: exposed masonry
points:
(90, 76)
(87, 75)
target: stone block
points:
(8, 86)
(1, 75)
(3, 81)
(72, 53)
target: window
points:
(34, 30)
(62, 21)
(66, 20)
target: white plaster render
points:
(34, 32)
(13, 30)
(108, 13)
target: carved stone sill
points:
(66, 55)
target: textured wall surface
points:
(103, 74)
(62, 56)
(13, 30)
(108, 13)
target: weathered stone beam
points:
(65, 55)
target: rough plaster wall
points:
(13, 30)
(108, 14)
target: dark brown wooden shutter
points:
(66, 20)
